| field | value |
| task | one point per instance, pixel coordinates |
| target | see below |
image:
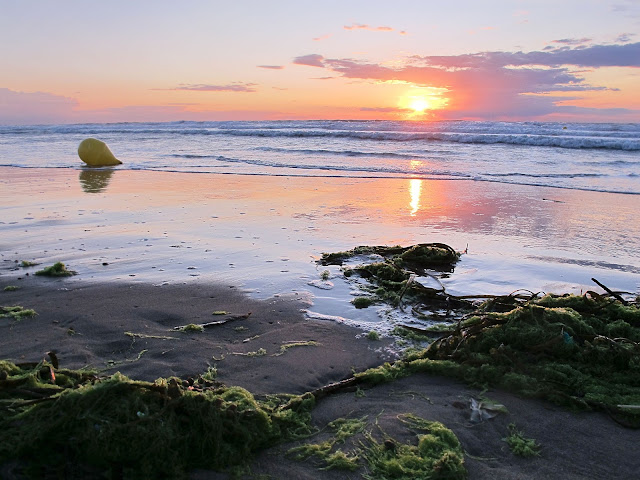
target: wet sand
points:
(129, 328)
(157, 250)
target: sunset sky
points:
(87, 61)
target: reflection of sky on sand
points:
(265, 233)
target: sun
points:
(418, 104)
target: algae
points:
(423, 256)
(373, 335)
(78, 418)
(11, 288)
(560, 348)
(286, 346)
(363, 302)
(521, 445)
(191, 327)
(392, 275)
(58, 269)
(437, 454)
(27, 263)
(17, 312)
(324, 452)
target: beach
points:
(158, 250)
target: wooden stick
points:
(610, 292)
(230, 318)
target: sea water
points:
(538, 206)
(602, 157)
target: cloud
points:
(271, 67)
(322, 37)
(386, 109)
(19, 108)
(572, 41)
(360, 26)
(312, 60)
(234, 87)
(625, 37)
(495, 84)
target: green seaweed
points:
(340, 460)
(422, 256)
(286, 346)
(324, 452)
(521, 445)
(363, 302)
(392, 277)
(58, 269)
(102, 422)
(27, 263)
(437, 454)
(192, 327)
(373, 335)
(17, 312)
(10, 288)
(557, 348)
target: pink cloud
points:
(360, 26)
(321, 37)
(271, 67)
(312, 60)
(234, 87)
(19, 108)
(496, 84)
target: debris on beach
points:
(55, 418)
(96, 153)
(521, 445)
(16, 312)
(199, 327)
(352, 444)
(580, 351)
(396, 274)
(58, 269)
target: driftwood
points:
(345, 384)
(229, 318)
(610, 292)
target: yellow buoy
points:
(95, 153)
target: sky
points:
(74, 61)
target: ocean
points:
(544, 207)
(602, 157)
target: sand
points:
(155, 251)
(87, 325)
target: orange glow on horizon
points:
(420, 105)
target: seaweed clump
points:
(422, 255)
(521, 445)
(17, 312)
(393, 276)
(578, 351)
(68, 422)
(58, 269)
(437, 455)
(575, 350)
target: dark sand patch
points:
(129, 328)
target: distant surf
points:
(601, 157)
